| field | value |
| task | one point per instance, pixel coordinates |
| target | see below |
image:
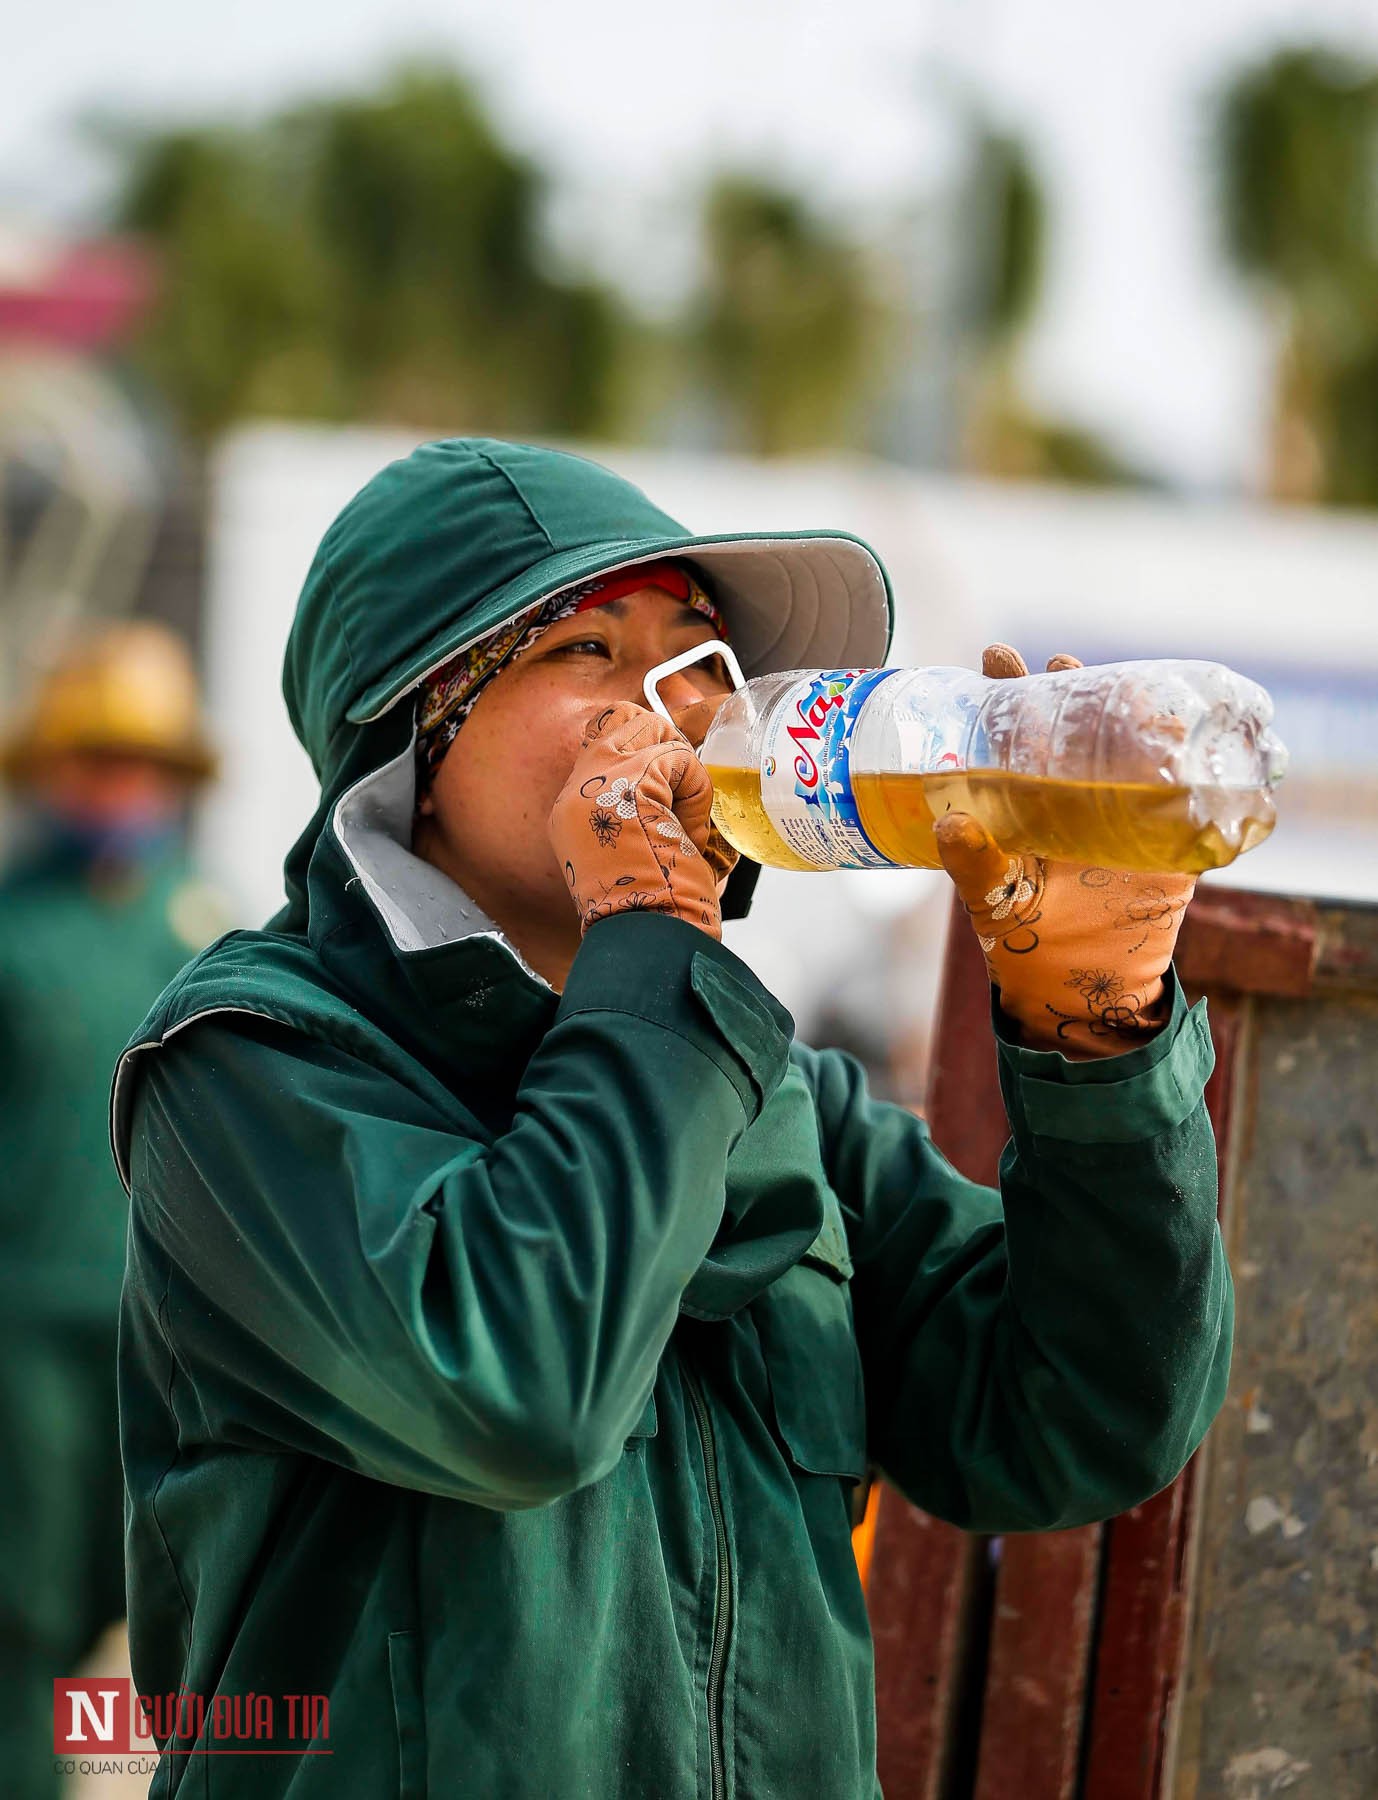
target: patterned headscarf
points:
(448, 696)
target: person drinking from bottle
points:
(513, 1304)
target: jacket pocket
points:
(647, 1425)
(409, 1718)
(804, 1320)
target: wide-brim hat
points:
(457, 539)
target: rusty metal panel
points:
(964, 1105)
(1264, 1587)
(1347, 948)
(1251, 943)
(922, 1579)
(1141, 1634)
(1036, 1677)
(1139, 1648)
(1281, 1692)
(922, 1591)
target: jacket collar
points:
(418, 906)
(449, 984)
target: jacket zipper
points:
(722, 1598)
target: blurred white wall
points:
(1289, 597)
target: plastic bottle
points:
(1133, 765)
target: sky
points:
(1142, 334)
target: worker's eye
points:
(578, 646)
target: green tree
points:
(377, 256)
(1351, 430)
(788, 328)
(1010, 216)
(1297, 164)
(232, 332)
(1006, 212)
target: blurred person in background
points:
(513, 1305)
(98, 910)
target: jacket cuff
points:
(669, 973)
(1110, 1099)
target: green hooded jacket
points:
(80, 959)
(499, 1362)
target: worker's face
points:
(484, 821)
(108, 792)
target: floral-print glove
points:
(1078, 953)
(631, 826)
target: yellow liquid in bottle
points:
(1125, 825)
(1122, 824)
(741, 818)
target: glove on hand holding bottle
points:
(631, 825)
(1078, 953)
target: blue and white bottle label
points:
(806, 778)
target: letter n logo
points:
(91, 1716)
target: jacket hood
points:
(462, 535)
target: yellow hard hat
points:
(126, 689)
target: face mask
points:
(130, 839)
